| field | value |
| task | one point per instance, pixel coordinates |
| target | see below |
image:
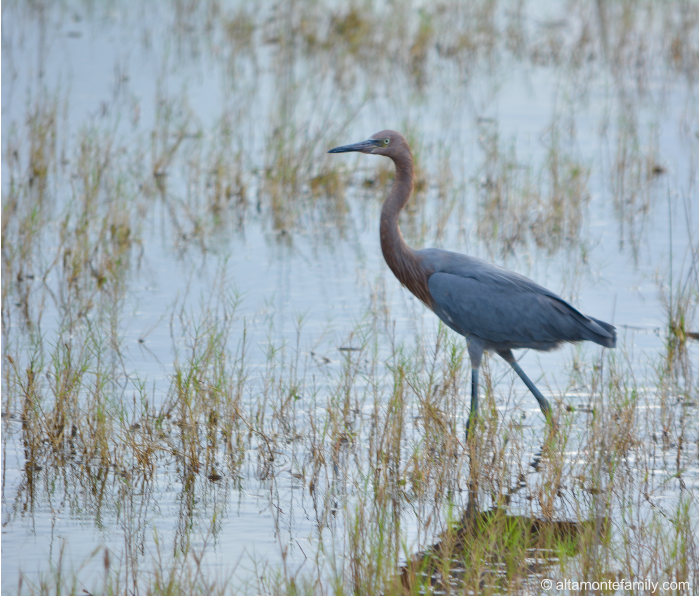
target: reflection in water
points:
(493, 551)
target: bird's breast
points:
(412, 272)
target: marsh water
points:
(174, 229)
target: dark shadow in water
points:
(489, 551)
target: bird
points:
(495, 309)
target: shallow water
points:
(264, 103)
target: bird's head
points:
(387, 142)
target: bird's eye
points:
(386, 142)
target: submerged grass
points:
(359, 427)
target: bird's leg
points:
(543, 402)
(471, 447)
(475, 353)
(473, 414)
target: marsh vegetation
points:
(211, 383)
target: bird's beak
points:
(364, 147)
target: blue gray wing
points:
(501, 307)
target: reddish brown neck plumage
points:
(406, 265)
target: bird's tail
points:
(600, 332)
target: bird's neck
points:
(401, 259)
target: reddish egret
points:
(494, 309)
